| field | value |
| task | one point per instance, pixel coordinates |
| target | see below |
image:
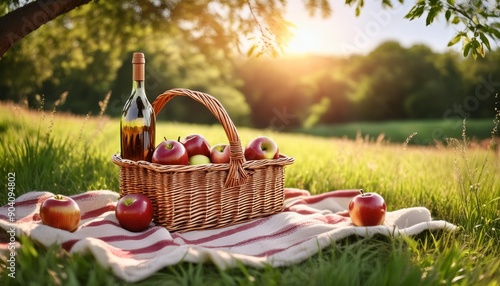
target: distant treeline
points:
(390, 83)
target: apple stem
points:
(361, 191)
(165, 138)
(179, 139)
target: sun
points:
(303, 41)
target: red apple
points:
(170, 152)
(60, 212)
(262, 148)
(196, 144)
(134, 212)
(199, 160)
(367, 209)
(219, 153)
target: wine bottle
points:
(137, 124)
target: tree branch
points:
(17, 24)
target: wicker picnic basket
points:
(196, 197)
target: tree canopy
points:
(220, 24)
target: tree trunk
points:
(17, 24)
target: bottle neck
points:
(137, 76)
(138, 72)
(137, 84)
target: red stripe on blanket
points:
(292, 193)
(331, 219)
(32, 202)
(240, 228)
(85, 196)
(301, 211)
(31, 218)
(290, 228)
(336, 194)
(131, 237)
(98, 212)
(155, 247)
(34, 217)
(22, 202)
(101, 223)
(67, 245)
(278, 250)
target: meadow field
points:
(430, 132)
(69, 154)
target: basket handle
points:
(237, 175)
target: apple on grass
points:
(60, 212)
(134, 212)
(170, 152)
(219, 153)
(262, 148)
(196, 144)
(367, 209)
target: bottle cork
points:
(138, 62)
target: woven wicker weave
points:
(195, 197)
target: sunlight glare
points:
(304, 41)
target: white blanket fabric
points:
(308, 223)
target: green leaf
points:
(475, 43)
(474, 54)
(447, 15)
(451, 2)
(387, 3)
(467, 49)
(415, 12)
(481, 27)
(485, 41)
(455, 20)
(431, 16)
(455, 40)
(495, 32)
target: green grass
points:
(428, 131)
(67, 154)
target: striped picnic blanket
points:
(307, 224)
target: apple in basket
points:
(196, 144)
(170, 152)
(219, 153)
(60, 212)
(134, 212)
(262, 148)
(199, 160)
(367, 209)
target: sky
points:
(343, 33)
